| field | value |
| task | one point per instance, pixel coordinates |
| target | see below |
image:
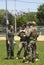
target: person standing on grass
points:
(32, 47)
(10, 44)
(22, 40)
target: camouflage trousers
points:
(10, 49)
(32, 50)
(21, 46)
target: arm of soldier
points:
(38, 33)
(8, 36)
(28, 32)
(19, 33)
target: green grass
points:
(19, 62)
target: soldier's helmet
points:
(31, 23)
(34, 23)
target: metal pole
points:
(6, 14)
(7, 22)
(15, 14)
(6, 10)
(6, 27)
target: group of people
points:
(28, 40)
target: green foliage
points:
(3, 54)
(40, 14)
(38, 17)
(11, 18)
(32, 16)
(3, 18)
(21, 19)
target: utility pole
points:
(7, 22)
(15, 14)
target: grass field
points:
(19, 62)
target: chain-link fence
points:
(3, 30)
(41, 29)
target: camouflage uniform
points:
(22, 42)
(32, 33)
(10, 45)
(32, 43)
(27, 41)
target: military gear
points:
(32, 23)
(33, 40)
(33, 34)
(22, 35)
(22, 41)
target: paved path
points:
(40, 38)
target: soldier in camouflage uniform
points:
(27, 42)
(22, 41)
(10, 45)
(33, 34)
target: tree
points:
(32, 16)
(11, 19)
(40, 14)
(3, 18)
(25, 17)
(21, 19)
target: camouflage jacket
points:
(22, 35)
(32, 33)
